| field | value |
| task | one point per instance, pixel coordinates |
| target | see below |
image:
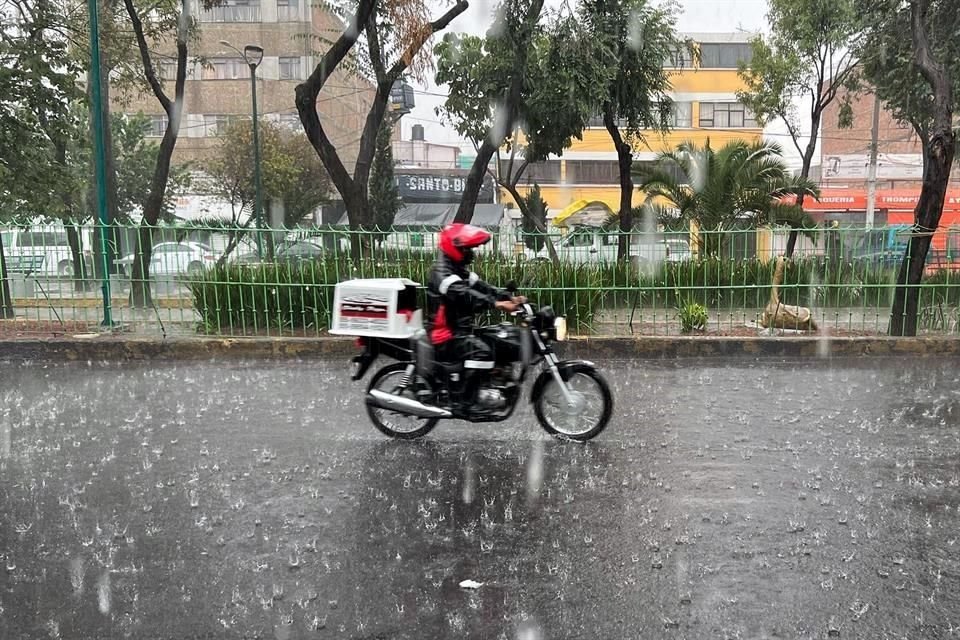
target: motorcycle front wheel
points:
(392, 423)
(585, 414)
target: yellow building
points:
(705, 106)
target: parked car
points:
(293, 253)
(174, 259)
(289, 252)
(678, 250)
(586, 244)
(42, 251)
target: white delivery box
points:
(379, 308)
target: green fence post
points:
(99, 157)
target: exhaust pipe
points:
(391, 402)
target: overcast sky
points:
(697, 16)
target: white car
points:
(42, 251)
(175, 259)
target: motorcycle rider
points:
(454, 296)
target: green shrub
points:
(693, 317)
(237, 300)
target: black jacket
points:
(454, 296)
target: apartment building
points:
(705, 106)
(293, 34)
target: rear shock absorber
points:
(407, 378)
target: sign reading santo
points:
(434, 183)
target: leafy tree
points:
(632, 41)
(37, 81)
(807, 56)
(290, 172)
(886, 51)
(535, 220)
(555, 104)
(912, 56)
(393, 34)
(384, 194)
(717, 188)
(508, 46)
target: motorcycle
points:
(406, 399)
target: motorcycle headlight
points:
(560, 326)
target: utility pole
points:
(872, 173)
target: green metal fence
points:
(211, 280)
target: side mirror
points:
(511, 286)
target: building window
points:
(642, 167)
(291, 120)
(166, 69)
(681, 116)
(216, 124)
(288, 10)
(596, 122)
(157, 126)
(233, 11)
(225, 69)
(290, 69)
(540, 172)
(680, 58)
(724, 56)
(593, 172)
(726, 115)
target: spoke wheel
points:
(585, 414)
(393, 423)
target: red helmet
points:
(456, 240)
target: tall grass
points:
(270, 299)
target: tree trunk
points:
(6, 302)
(471, 189)
(625, 164)
(140, 296)
(906, 300)
(76, 256)
(541, 227)
(939, 161)
(804, 173)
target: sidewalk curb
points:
(109, 348)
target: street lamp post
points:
(253, 56)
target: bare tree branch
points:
(414, 47)
(145, 57)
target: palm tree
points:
(742, 182)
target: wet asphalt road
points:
(802, 499)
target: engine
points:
(500, 388)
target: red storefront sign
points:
(856, 200)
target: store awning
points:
(438, 215)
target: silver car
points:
(175, 259)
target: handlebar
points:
(524, 310)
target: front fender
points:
(565, 367)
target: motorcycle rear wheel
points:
(392, 423)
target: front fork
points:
(552, 361)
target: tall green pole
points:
(99, 156)
(258, 198)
